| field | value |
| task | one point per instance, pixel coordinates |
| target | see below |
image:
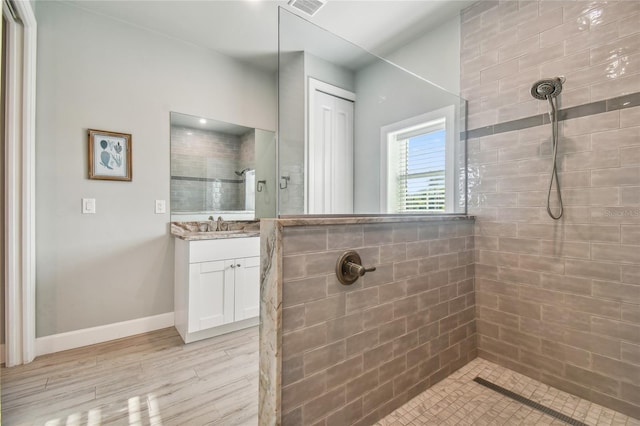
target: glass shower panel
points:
(360, 135)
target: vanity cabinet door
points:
(247, 288)
(211, 294)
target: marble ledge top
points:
(352, 219)
(190, 231)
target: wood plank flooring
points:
(150, 379)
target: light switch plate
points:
(161, 207)
(88, 206)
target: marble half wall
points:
(342, 355)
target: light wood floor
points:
(150, 379)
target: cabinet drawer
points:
(228, 248)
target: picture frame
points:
(109, 155)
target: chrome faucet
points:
(220, 225)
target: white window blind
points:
(420, 178)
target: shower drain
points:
(529, 403)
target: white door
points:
(247, 288)
(210, 294)
(330, 155)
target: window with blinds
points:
(418, 164)
(420, 177)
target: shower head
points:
(547, 88)
(242, 172)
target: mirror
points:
(221, 169)
(360, 135)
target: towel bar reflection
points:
(286, 182)
(261, 184)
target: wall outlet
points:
(161, 206)
(88, 206)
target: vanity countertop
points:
(191, 231)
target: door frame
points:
(20, 129)
(313, 86)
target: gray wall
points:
(94, 72)
(434, 56)
(557, 300)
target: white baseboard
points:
(104, 333)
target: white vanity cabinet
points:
(217, 286)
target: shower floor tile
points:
(458, 400)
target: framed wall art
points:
(109, 155)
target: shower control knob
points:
(349, 267)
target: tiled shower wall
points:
(203, 165)
(557, 300)
(352, 354)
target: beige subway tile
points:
(322, 310)
(392, 330)
(591, 160)
(497, 347)
(539, 230)
(520, 276)
(514, 111)
(377, 234)
(519, 245)
(617, 176)
(593, 343)
(629, 25)
(304, 239)
(597, 36)
(378, 355)
(631, 313)
(496, 72)
(615, 253)
(478, 63)
(594, 306)
(532, 199)
(382, 275)
(343, 372)
(580, 179)
(630, 117)
(377, 397)
(558, 316)
(591, 124)
(521, 183)
(590, 269)
(299, 341)
(319, 407)
(618, 138)
(498, 317)
(497, 258)
(616, 329)
(616, 369)
(630, 392)
(603, 383)
(292, 370)
(486, 271)
(405, 269)
(519, 214)
(361, 342)
(630, 234)
(346, 236)
(566, 284)
(392, 368)
(293, 267)
(616, 291)
(405, 232)
(324, 357)
(292, 318)
(541, 363)
(615, 215)
(630, 156)
(544, 22)
(360, 385)
(563, 248)
(620, 47)
(630, 274)
(305, 290)
(519, 307)
(361, 299)
(321, 263)
(630, 353)
(565, 353)
(618, 87)
(543, 264)
(346, 415)
(393, 252)
(599, 233)
(522, 340)
(344, 327)
(537, 294)
(297, 393)
(406, 306)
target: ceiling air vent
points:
(310, 7)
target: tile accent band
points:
(529, 403)
(199, 179)
(598, 107)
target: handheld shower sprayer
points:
(548, 89)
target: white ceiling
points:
(248, 29)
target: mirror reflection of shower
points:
(548, 89)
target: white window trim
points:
(313, 86)
(387, 132)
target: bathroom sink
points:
(192, 230)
